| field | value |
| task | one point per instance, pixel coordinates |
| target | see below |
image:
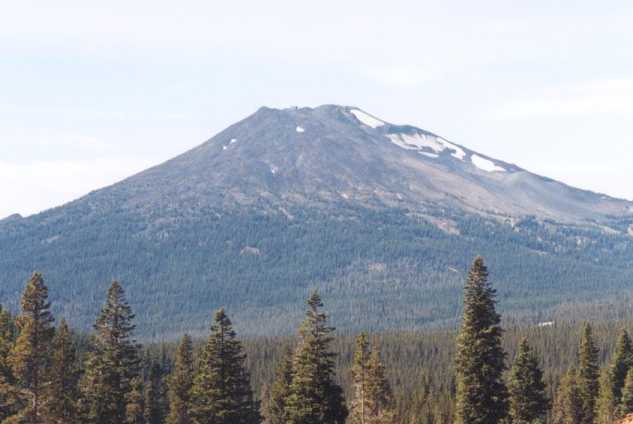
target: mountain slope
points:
(381, 217)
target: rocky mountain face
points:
(382, 217)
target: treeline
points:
(49, 374)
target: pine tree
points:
(63, 390)
(481, 392)
(359, 411)
(30, 356)
(379, 395)
(221, 393)
(275, 411)
(528, 399)
(568, 401)
(135, 402)
(314, 396)
(8, 391)
(113, 365)
(180, 382)
(606, 407)
(154, 403)
(588, 375)
(626, 405)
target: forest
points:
(485, 371)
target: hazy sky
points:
(91, 92)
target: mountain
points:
(382, 218)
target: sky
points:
(92, 92)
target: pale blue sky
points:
(91, 92)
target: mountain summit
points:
(377, 215)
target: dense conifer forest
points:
(486, 371)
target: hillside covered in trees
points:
(484, 373)
(378, 218)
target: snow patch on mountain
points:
(300, 129)
(419, 141)
(486, 164)
(367, 119)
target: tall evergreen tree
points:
(379, 395)
(606, 406)
(359, 408)
(314, 396)
(113, 364)
(480, 359)
(275, 411)
(626, 404)
(64, 379)
(154, 399)
(135, 402)
(8, 391)
(221, 392)
(622, 362)
(568, 401)
(528, 399)
(30, 356)
(588, 375)
(180, 382)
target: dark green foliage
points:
(63, 391)
(528, 398)
(315, 398)
(274, 407)
(221, 392)
(29, 357)
(480, 359)
(180, 383)
(350, 254)
(154, 405)
(568, 403)
(135, 402)
(113, 364)
(622, 362)
(626, 404)
(588, 375)
(7, 388)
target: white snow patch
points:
(345, 195)
(546, 324)
(274, 169)
(431, 155)
(300, 129)
(486, 164)
(233, 141)
(420, 141)
(224, 147)
(367, 119)
(458, 152)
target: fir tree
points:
(275, 411)
(481, 392)
(154, 403)
(606, 406)
(30, 356)
(180, 382)
(588, 375)
(135, 402)
(379, 395)
(8, 391)
(568, 401)
(528, 400)
(64, 379)
(314, 396)
(221, 393)
(114, 363)
(626, 405)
